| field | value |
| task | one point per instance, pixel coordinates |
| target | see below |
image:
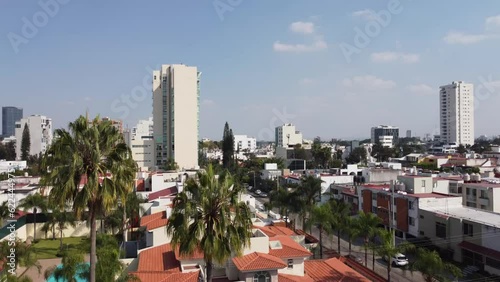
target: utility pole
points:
(391, 220)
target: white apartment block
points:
(287, 136)
(244, 143)
(141, 143)
(40, 128)
(456, 103)
(176, 99)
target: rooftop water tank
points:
(466, 177)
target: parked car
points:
(355, 258)
(398, 260)
(258, 192)
(264, 194)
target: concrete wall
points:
(80, 230)
(297, 269)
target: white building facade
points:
(141, 143)
(456, 103)
(287, 136)
(244, 143)
(41, 134)
(176, 95)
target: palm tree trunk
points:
(320, 242)
(209, 271)
(53, 232)
(373, 260)
(389, 265)
(93, 234)
(124, 227)
(338, 240)
(34, 224)
(350, 244)
(61, 239)
(366, 252)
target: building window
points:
(411, 221)
(262, 276)
(423, 183)
(410, 205)
(441, 230)
(374, 196)
(374, 210)
(290, 263)
(468, 229)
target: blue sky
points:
(260, 59)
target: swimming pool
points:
(77, 278)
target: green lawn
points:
(48, 248)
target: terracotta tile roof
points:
(294, 278)
(290, 248)
(258, 261)
(162, 193)
(332, 270)
(154, 221)
(160, 258)
(159, 276)
(197, 254)
(272, 231)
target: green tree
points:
(37, 202)
(83, 163)
(227, 147)
(25, 256)
(287, 202)
(357, 155)
(352, 230)
(387, 249)
(171, 165)
(309, 192)
(10, 151)
(461, 149)
(73, 266)
(299, 152)
(4, 211)
(368, 228)
(25, 143)
(208, 215)
(335, 163)
(59, 219)
(322, 218)
(133, 210)
(432, 267)
(341, 212)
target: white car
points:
(398, 260)
(264, 195)
(258, 192)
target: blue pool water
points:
(77, 278)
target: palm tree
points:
(387, 249)
(81, 165)
(4, 211)
(285, 201)
(368, 227)
(208, 216)
(309, 192)
(134, 210)
(351, 229)
(12, 278)
(37, 202)
(321, 217)
(341, 212)
(125, 174)
(73, 264)
(432, 267)
(25, 255)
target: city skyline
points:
(262, 67)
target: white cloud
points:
(365, 14)
(384, 57)
(207, 102)
(422, 89)
(368, 82)
(306, 81)
(493, 23)
(302, 27)
(318, 45)
(306, 28)
(454, 37)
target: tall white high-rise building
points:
(244, 143)
(40, 128)
(287, 136)
(456, 103)
(176, 100)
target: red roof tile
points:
(197, 254)
(258, 261)
(332, 270)
(160, 258)
(290, 248)
(166, 276)
(154, 221)
(272, 231)
(162, 193)
(294, 278)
